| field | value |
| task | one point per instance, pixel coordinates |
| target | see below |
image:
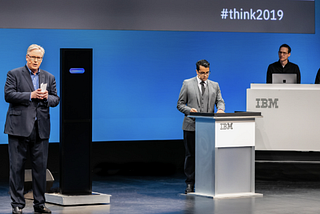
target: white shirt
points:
(199, 84)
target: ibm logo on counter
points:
(267, 103)
(226, 126)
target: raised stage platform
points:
(163, 195)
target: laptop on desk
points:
(284, 78)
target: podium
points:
(225, 154)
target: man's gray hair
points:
(35, 47)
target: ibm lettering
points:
(226, 126)
(267, 103)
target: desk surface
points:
(285, 86)
(219, 115)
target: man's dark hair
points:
(285, 46)
(203, 63)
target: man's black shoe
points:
(16, 210)
(41, 209)
(190, 188)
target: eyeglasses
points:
(205, 73)
(284, 53)
(33, 58)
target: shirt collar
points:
(199, 80)
(281, 64)
(31, 71)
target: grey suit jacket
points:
(22, 112)
(190, 98)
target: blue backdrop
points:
(137, 75)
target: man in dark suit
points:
(30, 91)
(197, 94)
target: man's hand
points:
(193, 110)
(220, 111)
(38, 94)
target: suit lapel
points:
(210, 95)
(196, 89)
(26, 75)
(41, 77)
(212, 98)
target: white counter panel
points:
(291, 115)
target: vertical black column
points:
(75, 121)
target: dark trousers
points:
(189, 161)
(18, 149)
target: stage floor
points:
(163, 195)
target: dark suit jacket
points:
(22, 112)
(317, 81)
(190, 98)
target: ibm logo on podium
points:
(226, 126)
(267, 103)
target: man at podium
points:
(197, 94)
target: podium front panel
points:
(235, 133)
(233, 170)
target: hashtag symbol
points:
(224, 13)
